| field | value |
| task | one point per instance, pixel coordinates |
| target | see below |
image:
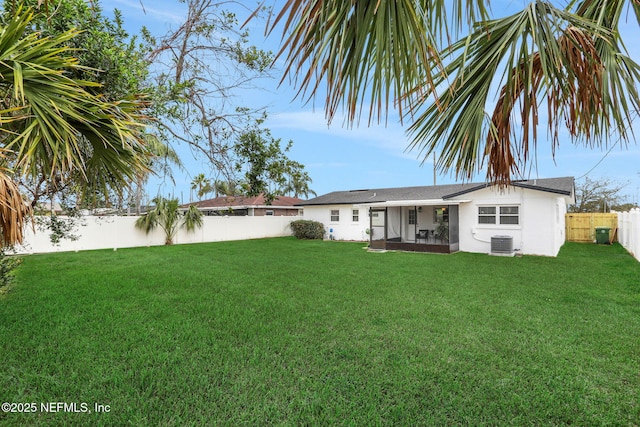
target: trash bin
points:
(602, 235)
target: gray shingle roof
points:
(563, 186)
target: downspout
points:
(521, 211)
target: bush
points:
(310, 230)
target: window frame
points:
(355, 215)
(334, 217)
(509, 214)
(495, 215)
(443, 216)
(487, 215)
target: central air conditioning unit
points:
(502, 245)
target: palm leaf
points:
(192, 218)
(387, 51)
(58, 116)
(541, 52)
(13, 212)
(378, 51)
(148, 222)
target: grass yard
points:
(288, 332)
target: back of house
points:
(527, 217)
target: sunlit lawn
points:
(280, 331)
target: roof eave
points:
(545, 189)
(514, 184)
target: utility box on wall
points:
(502, 245)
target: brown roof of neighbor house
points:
(242, 201)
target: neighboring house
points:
(527, 217)
(49, 207)
(249, 206)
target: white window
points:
(486, 214)
(355, 214)
(269, 213)
(504, 215)
(412, 217)
(335, 215)
(440, 215)
(509, 215)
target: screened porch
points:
(426, 226)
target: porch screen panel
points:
(394, 218)
(454, 225)
(377, 227)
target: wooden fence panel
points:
(581, 227)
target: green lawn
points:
(288, 332)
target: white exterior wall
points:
(561, 227)
(120, 232)
(541, 228)
(346, 228)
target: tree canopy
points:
(109, 65)
(266, 168)
(56, 128)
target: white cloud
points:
(164, 11)
(390, 137)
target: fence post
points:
(623, 228)
(635, 232)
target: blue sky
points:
(340, 158)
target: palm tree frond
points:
(166, 215)
(58, 115)
(13, 212)
(541, 52)
(192, 218)
(379, 50)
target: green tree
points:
(202, 185)
(107, 53)
(114, 66)
(266, 167)
(227, 188)
(297, 184)
(166, 215)
(85, 138)
(410, 53)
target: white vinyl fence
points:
(113, 232)
(629, 231)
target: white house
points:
(527, 217)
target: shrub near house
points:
(309, 230)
